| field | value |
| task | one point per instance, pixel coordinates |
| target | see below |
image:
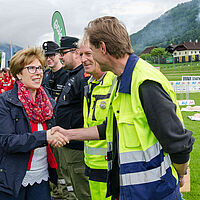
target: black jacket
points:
(69, 108)
(54, 81)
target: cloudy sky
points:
(28, 22)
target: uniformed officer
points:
(54, 80)
(69, 114)
(55, 76)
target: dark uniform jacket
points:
(54, 81)
(69, 108)
(16, 142)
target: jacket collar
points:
(76, 70)
(13, 96)
(99, 80)
(126, 77)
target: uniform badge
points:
(103, 105)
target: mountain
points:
(6, 48)
(179, 24)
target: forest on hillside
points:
(178, 25)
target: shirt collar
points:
(93, 79)
(126, 77)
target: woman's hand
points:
(56, 139)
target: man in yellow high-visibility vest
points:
(96, 104)
(148, 145)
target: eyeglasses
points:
(62, 53)
(33, 69)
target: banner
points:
(3, 60)
(185, 86)
(190, 78)
(169, 60)
(58, 26)
(185, 102)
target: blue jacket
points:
(16, 142)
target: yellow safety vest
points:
(146, 172)
(96, 150)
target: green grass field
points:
(175, 73)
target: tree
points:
(179, 24)
(146, 56)
(158, 54)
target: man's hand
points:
(58, 129)
(181, 168)
(181, 181)
(79, 134)
(56, 139)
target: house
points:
(170, 48)
(148, 50)
(185, 52)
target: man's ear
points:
(102, 47)
(77, 53)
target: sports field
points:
(175, 73)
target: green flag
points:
(58, 26)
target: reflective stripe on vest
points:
(109, 165)
(109, 146)
(95, 151)
(109, 158)
(146, 176)
(138, 156)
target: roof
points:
(148, 50)
(188, 46)
(171, 48)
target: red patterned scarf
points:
(39, 110)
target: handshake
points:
(57, 137)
